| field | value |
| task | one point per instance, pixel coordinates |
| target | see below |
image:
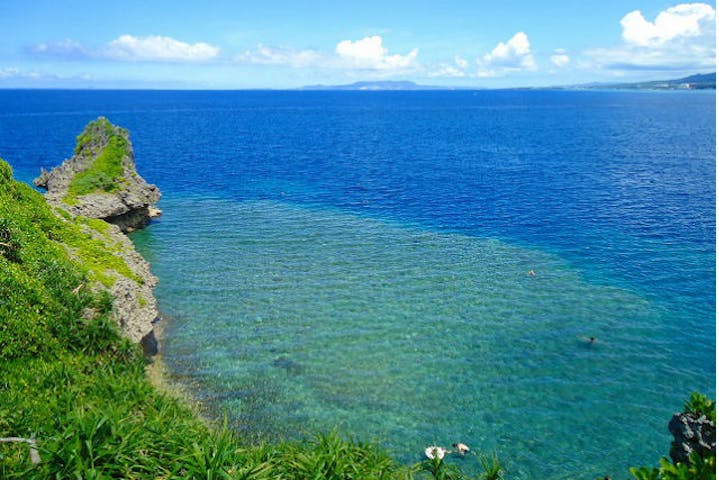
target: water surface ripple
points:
(362, 258)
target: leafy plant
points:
(492, 468)
(644, 473)
(441, 470)
(700, 404)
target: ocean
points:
(424, 268)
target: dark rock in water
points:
(150, 345)
(288, 364)
(101, 181)
(692, 433)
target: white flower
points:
(435, 452)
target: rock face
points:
(692, 433)
(101, 181)
(134, 305)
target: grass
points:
(105, 174)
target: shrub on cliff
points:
(46, 306)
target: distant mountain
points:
(378, 85)
(702, 81)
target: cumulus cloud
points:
(365, 54)
(153, 48)
(680, 38)
(560, 58)
(685, 20)
(512, 56)
(516, 53)
(369, 53)
(158, 48)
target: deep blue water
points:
(361, 258)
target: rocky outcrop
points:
(101, 180)
(692, 433)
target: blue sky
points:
(286, 44)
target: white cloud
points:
(365, 54)
(13, 73)
(515, 55)
(158, 48)
(684, 20)
(264, 55)
(681, 38)
(153, 48)
(458, 70)
(560, 58)
(65, 48)
(9, 72)
(369, 53)
(448, 71)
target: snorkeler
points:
(461, 448)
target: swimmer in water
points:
(461, 448)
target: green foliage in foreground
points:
(105, 172)
(699, 467)
(701, 405)
(41, 311)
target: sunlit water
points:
(362, 260)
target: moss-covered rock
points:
(101, 180)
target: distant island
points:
(702, 81)
(394, 85)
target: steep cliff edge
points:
(101, 180)
(91, 200)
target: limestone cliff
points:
(134, 305)
(101, 180)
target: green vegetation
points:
(699, 467)
(34, 235)
(701, 405)
(105, 174)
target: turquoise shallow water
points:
(361, 258)
(291, 319)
